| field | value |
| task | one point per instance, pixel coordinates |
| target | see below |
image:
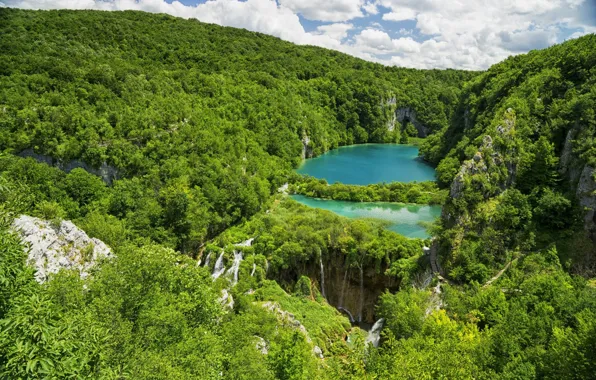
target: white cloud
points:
(371, 7)
(467, 34)
(327, 10)
(374, 41)
(337, 31)
(528, 40)
(400, 14)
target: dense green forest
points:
(199, 125)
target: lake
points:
(369, 163)
(374, 163)
(404, 218)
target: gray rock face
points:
(226, 300)
(482, 162)
(570, 165)
(306, 147)
(262, 345)
(51, 248)
(106, 172)
(586, 193)
(403, 114)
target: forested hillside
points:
(524, 132)
(211, 118)
(168, 139)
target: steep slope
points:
(202, 124)
(213, 116)
(519, 161)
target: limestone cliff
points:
(307, 151)
(54, 247)
(402, 115)
(107, 173)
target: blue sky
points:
(465, 34)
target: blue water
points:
(369, 163)
(404, 218)
(374, 163)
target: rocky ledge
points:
(52, 247)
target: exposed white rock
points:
(246, 243)
(316, 350)
(262, 346)
(226, 300)
(286, 317)
(307, 151)
(65, 246)
(284, 188)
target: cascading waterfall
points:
(207, 259)
(219, 268)
(246, 243)
(233, 271)
(343, 287)
(361, 294)
(374, 335)
(254, 267)
(322, 277)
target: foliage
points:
(410, 192)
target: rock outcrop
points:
(54, 247)
(404, 114)
(350, 290)
(307, 151)
(586, 194)
(487, 162)
(107, 173)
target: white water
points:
(361, 294)
(208, 259)
(322, 277)
(233, 271)
(254, 267)
(352, 320)
(374, 335)
(246, 243)
(219, 268)
(343, 287)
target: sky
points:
(460, 34)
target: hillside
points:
(165, 141)
(217, 115)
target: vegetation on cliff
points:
(204, 123)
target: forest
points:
(187, 131)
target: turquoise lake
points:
(374, 163)
(404, 218)
(369, 163)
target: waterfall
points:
(219, 268)
(343, 287)
(322, 277)
(361, 294)
(233, 271)
(374, 335)
(254, 267)
(207, 259)
(352, 320)
(246, 243)
(266, 267)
